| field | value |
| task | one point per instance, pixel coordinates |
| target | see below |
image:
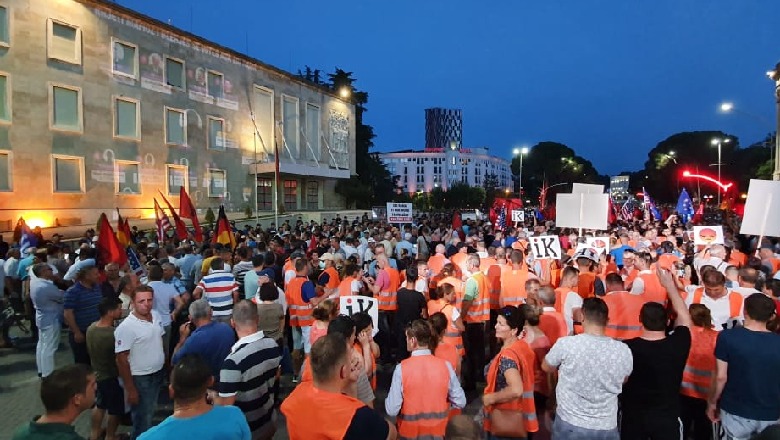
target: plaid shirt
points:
(177, 284)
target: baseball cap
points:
(326, 256)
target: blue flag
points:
(685, 206)
(27, 239)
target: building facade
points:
(443, 128)
(422, 171)
(102, 107)
(618, 188)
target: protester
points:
(322, 314)
(81, 310)
(444, 350)
(110, 395)
(65, 393)
(193, 416)
(202, 335)
(476, 312)
(698, 375)
(220, 289)
(411, 306)
(48, 301)
(166, 297)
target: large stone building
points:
(102, 107)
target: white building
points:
(422, 171)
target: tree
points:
(462, 195)
(489, 185)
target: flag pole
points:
(254, 141)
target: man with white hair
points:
(438, 260)
(387, 244)
(714, 256)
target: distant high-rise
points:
(443, 128)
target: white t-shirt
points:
(163, 296)
(144, 341)
(571, 302)
(591, 374)
(745, 291)
(720, 309)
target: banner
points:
(546, 247)
(152, 70)
(761, 207)
(585, 211)
(349, 305)
(399, 212)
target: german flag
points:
(123, 234)
(224, 233)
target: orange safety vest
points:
(288, 265)
(494, 287)
(654, 291)
(480, 307)
(333, 278)
(553, 325)
(436, 262)
(359, 348)
(520, 355)
(452, 334)
(425, 408)
(345, 286)
(700, 366)
(300, 311)
(737, 258)
(735, 302)
(449, 353)
(388, 299)
(666, 261)
(306, 374)
(624, 308)
(513, 287)
(459, 260)
(330, 421)
(630, 278)
(458, 285)
(586, 285)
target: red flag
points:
(543, 196)
(181, 228)
(699, 216)
(611, 216)
(162, 222)
(187, 210)
(457, 221)
(122, 230)
(224, 233)
(109, 248)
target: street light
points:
(520, 152)
(774, 75)
(345, 92)
(719, 142)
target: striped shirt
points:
(218, 288)
(84, 303)
(249, 373)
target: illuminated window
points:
(291, 195)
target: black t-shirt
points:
(410, 304)
(367, 425)
(654, 384)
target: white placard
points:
(546, 246)
(518, 215)
(399, 212)
(761, 207)
(586, 211)
(708, 235)
(586, 188)
(349, 305)
(600, 244)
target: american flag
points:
(627, 210)
(501, 222)
(162, 222)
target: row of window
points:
(265, 198)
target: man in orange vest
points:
(567, 301)
(624, 308)
(329, 277)
(423, 389)
(385, 289)
(725, 305)
(513, 278)
(646, 282)
(650, 399)
(301, 298)
(551, 322)
(476, 312)
(437, 261)
(628, 272)
(320, 410)
(588, 284)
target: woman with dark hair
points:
(443, 349)
(540, 344)
(697, 376)
(442, 299)
(508, 397)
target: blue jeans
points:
(562, 430)
(148, 387)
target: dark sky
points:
(609, 78)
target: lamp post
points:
(719, 142)
(520, 152)
(729, 107)
(774, 75)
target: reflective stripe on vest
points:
(425, 386)
(480, 306)
(387, 300)
(700, 365)
(300, 311)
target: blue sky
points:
(609, 78)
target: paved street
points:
(19, 401)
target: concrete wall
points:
(32, 142)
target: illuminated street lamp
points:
(774, 75)
(520, 152)
(345, 92)
(719, 142)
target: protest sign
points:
(707, 235)
(399, 212)
(546, 246)
(601, 244)
(582, 211)
(763, 200)
(584, 188)
(349, 305)
(518, 215)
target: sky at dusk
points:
(609, 78)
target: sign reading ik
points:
(547, 246)
(349, 305)
(518, 215)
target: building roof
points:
(165, 27)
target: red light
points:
(724, 186)
(686, 173)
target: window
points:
(124, 59)
(215, 81)
(174, 73)
(126, 177)
(264, 117)
(312, 195)
(290, 123)
(6, 169)
(68, 173)
(290, 195)
(176, 178)
(64, 42)
(127, 118)
(265, 196)
(216, 134)
(5, 97)
(217, 182)
(5, 27)
(313, 131)
(65, 103)
(175, 126)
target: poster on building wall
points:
(339, 138)
(197, 85)
(228, 100)
(152, 70)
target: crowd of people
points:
(657, 338)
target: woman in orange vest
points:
(510, 379)
(540, 344)
(441, 302)
(444, 350)
(449, 275)
(698, 374)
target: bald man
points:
(438, 260)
